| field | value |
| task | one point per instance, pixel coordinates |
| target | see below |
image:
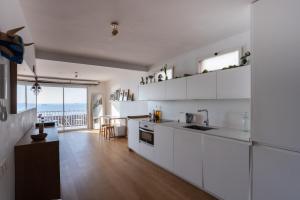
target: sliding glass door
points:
(50, 105)
(75, 108)
(67, 106)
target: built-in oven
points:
(146, 133)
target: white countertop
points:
(229, 133)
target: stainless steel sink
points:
(201, 128)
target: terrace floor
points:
(94, 168)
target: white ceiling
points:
(150, 31)
(48, 68)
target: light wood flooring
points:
(93, 168)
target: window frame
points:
(219, 53)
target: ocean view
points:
(78, 107)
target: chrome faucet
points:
(206, 122)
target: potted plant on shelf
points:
(164, 69)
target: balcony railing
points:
(67, 119)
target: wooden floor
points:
(94, 168)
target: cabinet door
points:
(152, 91)
(133, 135)
(202, 86)
(144, 92)
(226, 167)
(157, 91)
(163, 142)
(176, 89)
(146, 150)
(187, 156)
(234, 83)
(275, 174)
(275, 69)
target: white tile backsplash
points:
(223, 113)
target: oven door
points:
(146, 136)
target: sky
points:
(54, 95)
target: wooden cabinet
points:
(188, 156)
(275, 174)
(163, 141)
(37, 171)
(133, 134)
(234, 83)
(202, 86)
(226, 171)
(176, 89)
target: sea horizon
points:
(75, 107)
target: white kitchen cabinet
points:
(226, 171)
(157, 91)
(234, 83)
(133, 135)
(146, 150)
(276, 69)
(176, 89)
(275, 174)
(144, 92)
(188, 156)
(152, 91)
(163, 142)
(202, 86)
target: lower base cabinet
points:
(188, 156)
(226, 171)
(275, 174)
(218, 165)
(163, 140)
(146, 150)
(133, 134)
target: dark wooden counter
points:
(37, 172)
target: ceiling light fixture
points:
(36, 88)
(115, 26)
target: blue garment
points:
(16, 46)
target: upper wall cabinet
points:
(158, 91)
(202, 86)
(234, 83)
(152, 91)
(176, 89)
(143, 92)
(223, 84)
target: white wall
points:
(188, 63)
(10, 133)
(11, 15)
(130, 80)
(225, 113)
